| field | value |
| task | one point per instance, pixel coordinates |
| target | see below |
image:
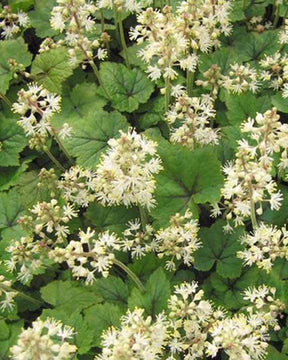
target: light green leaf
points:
(275, 354)
(90, 136)
(12, 142)
(69, 296)
(188, 178)
(81, 100)
(219, 248)
(154, 300)
(240, 107)
(51, 68)
(12, 49)
(128, 88)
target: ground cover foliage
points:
(143, 182)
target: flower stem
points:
(61, 146)
(53, 159)
(122, 39)
(98, 77)
(5, 99)
(130, 274)
(190, 82)
(167, 93)
(19, 293)
(143, 216)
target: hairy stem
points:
(5, 99)
(190, 82)
(123, 42)
(61, 146)
(167, 93)
(130, 274)
(98, 77)
(53, 159)
(19, 293)
(143, 216)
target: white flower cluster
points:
(90, 254)
(249, 180)
(139, 338)
(124, 5)
(7, 294)
(191, 317)
(275, 72)
(170, 37)
(263, 246)
(179, 240)
(45, 340)
(76, 18)
(137, 241)
(36, 106)
(193, 328)
(213, 80)
(125, 173)
(47, 226)
(10, 23)
(240, 78)
(77, 186)
(258, 23)
(189, 119)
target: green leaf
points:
(10, 176)
(83, 337)
(40, 17)
(51, 68)
(12, 142)
(5, 344)
(254, 45)
(240, 107)
(23, 5)
(113, 218)
(188, 178)
(12, 49)
(29, 190)
(91, 134)
(219, 248)
(154, 300)
(280, 103)
(10, 210)
(277, 217)
(128, 88)
(144, 266)
(81, 100)
(4, 330)
(223, 58)
(67, 296)
(112, 289)
(100, 317)
(227, 292)
(275, 354)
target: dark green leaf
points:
(219, 248)
(128, 88)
